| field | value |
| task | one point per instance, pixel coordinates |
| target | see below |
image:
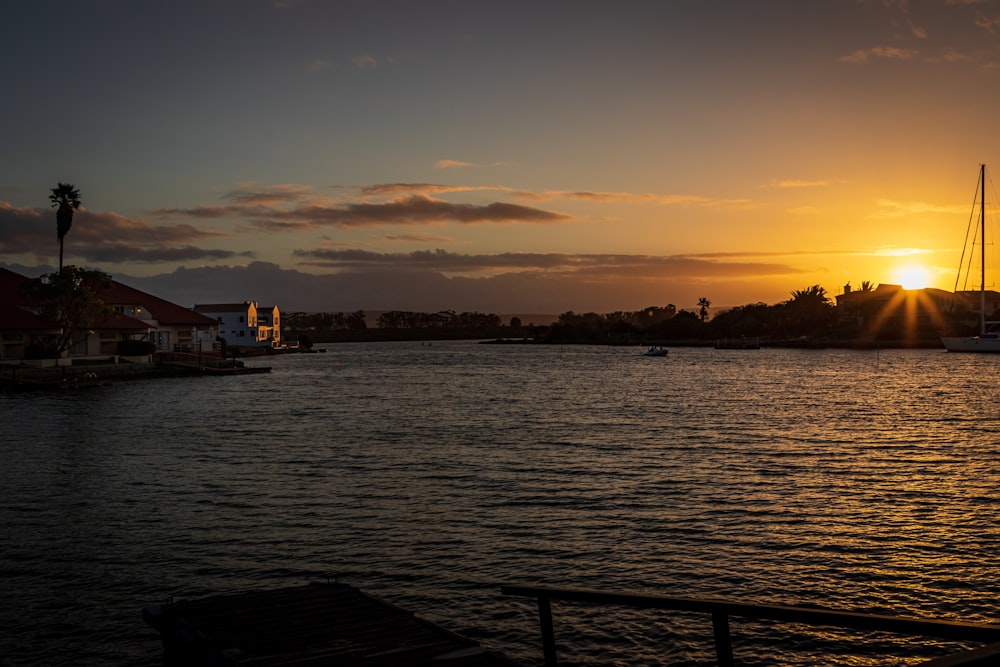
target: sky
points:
(508, 157)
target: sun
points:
(912, 277)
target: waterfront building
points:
(244, 323)
(889, 312)
(138, 316)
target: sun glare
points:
(912, 277)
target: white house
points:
(244, 323)
(269, 325)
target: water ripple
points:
(431, 475)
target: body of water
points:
(429, 475)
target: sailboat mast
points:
(982, 249)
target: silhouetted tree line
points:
(809, 313)
(808, 316)
(402, 319)
(324, 322)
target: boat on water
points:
(656, 351)
(987, 340)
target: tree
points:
(67, 198)
(70, 298)
(703, 305)
(809, 311)
(812, 297)
(356, 320)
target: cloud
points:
(290, 207)
(590, 267)
(118, 253)
(206, 212)
(890, 52)
(102, 236)
(458, 164)
(953, 56)
(986, 23)
(452, 164)
(319, 65)
(415, 238)
(892, 251)
(629, 197)
(394, 189)
(895, 209)
(268, 195)
(412, 210)
(793, 183)
(365, 61)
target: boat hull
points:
(972, 344)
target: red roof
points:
(13, 318)
(13, 302)
(164, 311)
(12, 288)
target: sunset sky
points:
(497, 156)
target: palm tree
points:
(67, 198)
(703, 304)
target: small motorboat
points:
(655, 351)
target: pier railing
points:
(721, 611)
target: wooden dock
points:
(308, 626)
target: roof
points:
(11, 288)
(15, 318)
(13, 304)
(222, 307)
(164, 311)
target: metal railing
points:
(721, 611)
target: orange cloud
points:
(365, 61)
(891, 52)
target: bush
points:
(135, 348)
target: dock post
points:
(548, 634)
(723, 640)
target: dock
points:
(308, 626)
(218, 369)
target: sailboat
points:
(986, 341)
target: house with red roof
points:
(174, 328)
(18, 323)
(137, 316)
